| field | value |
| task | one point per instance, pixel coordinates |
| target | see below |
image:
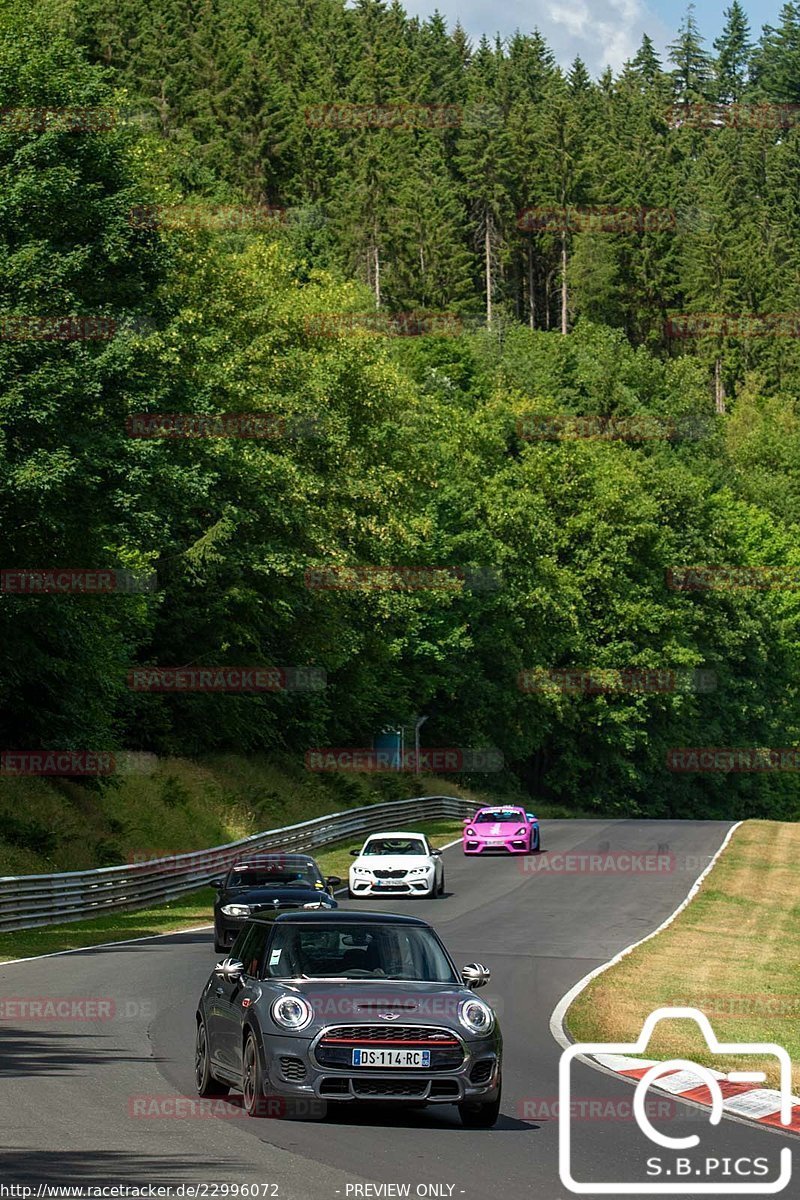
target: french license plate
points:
(391, 1058)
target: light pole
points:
(420, 722)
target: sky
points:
(603, 32)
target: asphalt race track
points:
(67, 1088)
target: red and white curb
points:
(739, 1099)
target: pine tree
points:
(646, 64)
(692, 65)
(734, 50)
(776, 62)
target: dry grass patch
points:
(734, 953)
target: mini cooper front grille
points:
(482, 1071)
(335, 1047)
(335, 1086)
(389, 1034)
(444, 1087)
(390, 1087)
(293, 1069)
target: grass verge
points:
(185, 913)
(734, 953)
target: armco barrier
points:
(27, 901)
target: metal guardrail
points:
(28, 901)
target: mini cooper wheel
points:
(252, 1079)
(207, 1085)
(481, 1114)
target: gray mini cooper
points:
(348, 1006)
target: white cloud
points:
(602, 32)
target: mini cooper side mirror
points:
(230, 969)
(475, 975)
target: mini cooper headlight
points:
(236, 910)
(292, 1012)
(475, 1016)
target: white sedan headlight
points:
(476, 1016)
(236, 910)
(292, 1012)
(420, 870)
(361, 871)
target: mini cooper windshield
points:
(358, 952)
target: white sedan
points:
(396, 864)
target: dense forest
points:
(404, 451)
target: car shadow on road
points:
(24, 1053)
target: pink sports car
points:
(502, 827)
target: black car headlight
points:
(292, 1012)
(476, 1016)
(236, 910)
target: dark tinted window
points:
(249, 948)
(357, 952)
(278, 875)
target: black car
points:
(348, 1006)
(269, 883)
